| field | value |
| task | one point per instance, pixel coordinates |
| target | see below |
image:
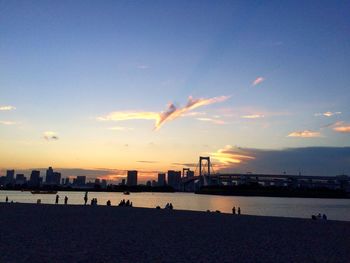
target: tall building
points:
(104, 184)
(10, 177)
(80, 180)
(20, 179)
(52, 178)
(132, 178)
(161, 179)
(35, 179)
(174, 179)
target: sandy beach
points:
(58, 233)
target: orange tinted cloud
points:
(258, 80)
(170, 114)
(305, 134)
(341, 127)
(231, 155)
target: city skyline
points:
(105, 88)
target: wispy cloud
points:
(171, 113)
(253, 116)
(50, 136)
(129, 115)
(8, 122)
(258, 81)
(305, 134)
(147, 162)
(230, 155)
(327, 114)
(215, 121)
(120, 128)
(341, 127)
(7, 108)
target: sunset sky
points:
(99, 87)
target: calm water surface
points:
(335, 209)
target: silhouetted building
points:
(10, 177)
(148, 183)
(66, 181)
(122, 182)
(52, 178)
(104, 184)
(154, 183)
(132, 178)
(174, 179)
(161, 179)
(79, 181)
(35, 179)
(20, 179)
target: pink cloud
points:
(258, 81)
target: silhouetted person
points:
(234, 210)
(171, 206)
(130, 204)
(85, 198)
(57, 197)
(127, 203)
(319, 216)
(7, 199)
(109, 203)
(65, 200)
(157, 207)
(324, 217)
(239, 210)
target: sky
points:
(100, 87)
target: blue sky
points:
(67, 66)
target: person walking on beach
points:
(234, 210)
(7, 199)
(239, 210)
(85, 198)
(65, 200)
(57, 197)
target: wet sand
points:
(58, 233)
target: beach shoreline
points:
(78, 233)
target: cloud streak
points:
(305, 134)
(50, 136)
(253, 116)
(215, 121)
(258, 81)
(7, 108)
(230, 155)
(341, 127)
(170, 114)
(328, 114)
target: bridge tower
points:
(185, 170)
(204, 166)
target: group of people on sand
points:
(125, 203)
(234, 210)
(319, 216)
(169, 206)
